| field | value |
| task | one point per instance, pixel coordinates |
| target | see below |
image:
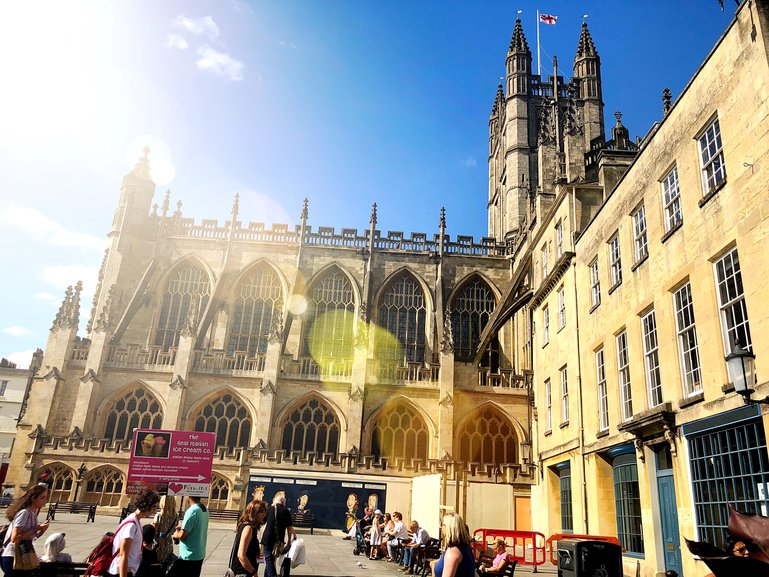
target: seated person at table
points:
(500, 561)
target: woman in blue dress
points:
(457, 558)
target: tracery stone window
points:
(403, 313)
(220, 492)
(400, 431)
(104, 486)
(187, 287)
(61, 479)
(228, 418)
(470, 312)
(137, 408)
(260, 298)
(488, 438)
(330, 317)
(312, 427)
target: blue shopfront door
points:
(671, 541)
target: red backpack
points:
(101, 557)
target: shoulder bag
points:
(279, 547)
(24, 556)
(229, 572)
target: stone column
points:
(353, 437)
(263, 424)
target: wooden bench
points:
(508, 571)
(225, 514)
(72, 507)
(304, 519)
(62, 569)
(125, 511)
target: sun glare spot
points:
(297, 304)
(162, 167)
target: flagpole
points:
(539, 70)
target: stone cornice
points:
(552, 279)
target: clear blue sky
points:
(346, 102)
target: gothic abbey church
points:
(582, 343)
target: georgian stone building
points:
(576, 355)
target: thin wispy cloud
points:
(176, 41)
(286, 44)
(63, 275)
(201, 26)
(48, 298)
(469, 162)
(17, 331)
(35, 224)
(21, 358)
(220, 63)
(242, 7)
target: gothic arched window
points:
(400, 431)
(187, 287)
(312, 427)
(228, 418)
(219, 495)
(403, 313)
(61, 479)
(104, 486)
(260, 298)
(136, 409)
(488, 438)
(330, 317)
(470, 312)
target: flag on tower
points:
(548, 18)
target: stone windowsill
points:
(691, 400)
(672, 231)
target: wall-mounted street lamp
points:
(741, 365)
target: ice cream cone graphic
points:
(160, 444)
(147, 443)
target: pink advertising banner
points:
(171, 462)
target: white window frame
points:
(731, 302)
(603, 396)
(712, 164)
(688, 349)
(559, 239)
(639, 233)
(623, 372)
(615, 260)
(651, 358)
(671, 199)
(564, 396)
(561, 308)
(545, 325)
(544, 261)
(548, 406)
(595, 283)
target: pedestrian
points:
(419, 538)
(457, 558)
(192, 534)
(397, 537)
(165, 522)
(277, 527)
(375, 536)
(244, 560)
(24, 525)
(54, 547)
(127, 543)
(149, 566)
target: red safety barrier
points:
(526, 547)
(558, 536)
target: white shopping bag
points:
(296, 553)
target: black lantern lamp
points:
(741, 365)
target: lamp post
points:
(741, 365)
(80, 474)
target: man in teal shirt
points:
(192, 535)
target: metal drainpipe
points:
(579, 376)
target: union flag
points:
(548, 18)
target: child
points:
(149, 566)
(375, 540)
